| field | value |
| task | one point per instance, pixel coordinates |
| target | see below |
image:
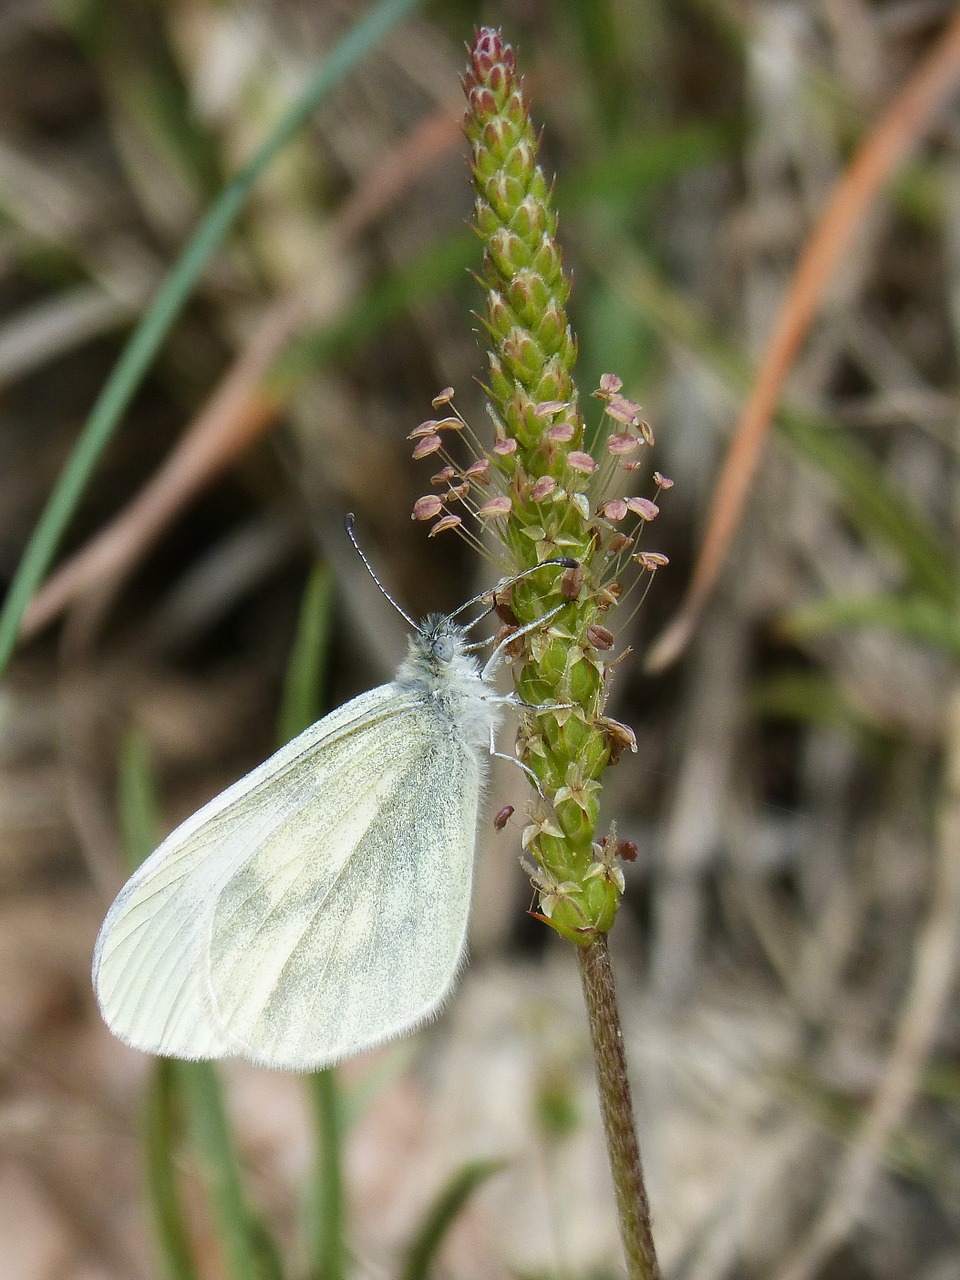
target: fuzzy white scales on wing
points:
(318, 906)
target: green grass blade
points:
(602, 57)
(442, 1214)
(438, 268)
(388, 1067)
(248, 1249)
(159, 1139)
(248, 1254)
(327, 1220)
(130, 48)
(872, 503)
(239, 1242)
(623, 174)
(166, 306)
(140, 822)
(641, 165)
(811, 698)
(306, 670)
(266, 1254)
(302, 703)
(917, 617)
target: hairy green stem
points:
(616, 1106)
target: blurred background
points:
(787, 943)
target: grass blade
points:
(623, 175)
(140, 826)
(143, 345)
(873, 504)
(239, 1242)
(917, 617)
(327, 1220)
(442, 1214)
(865, 493)
(159, 1140)
(303, 686)
(137, 800)
(248, 1254)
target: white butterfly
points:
(318, 906)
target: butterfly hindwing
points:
(151, 963)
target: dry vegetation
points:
(788, 943)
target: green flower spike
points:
(543, 495)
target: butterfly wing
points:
(347, 925)
(315, 908)
(150, 967)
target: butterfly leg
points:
(494, 659)
(514, 700)
(502, 755)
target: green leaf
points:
(442, 1214)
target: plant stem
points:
(552, 497)
(616, 1106)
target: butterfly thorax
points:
(438, 668)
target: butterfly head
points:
(439, 663)
(440, 642)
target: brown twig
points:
(613, 1086)
(899, 128)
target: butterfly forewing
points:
(314, 955)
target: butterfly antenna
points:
(565, 561)
(348, 525)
